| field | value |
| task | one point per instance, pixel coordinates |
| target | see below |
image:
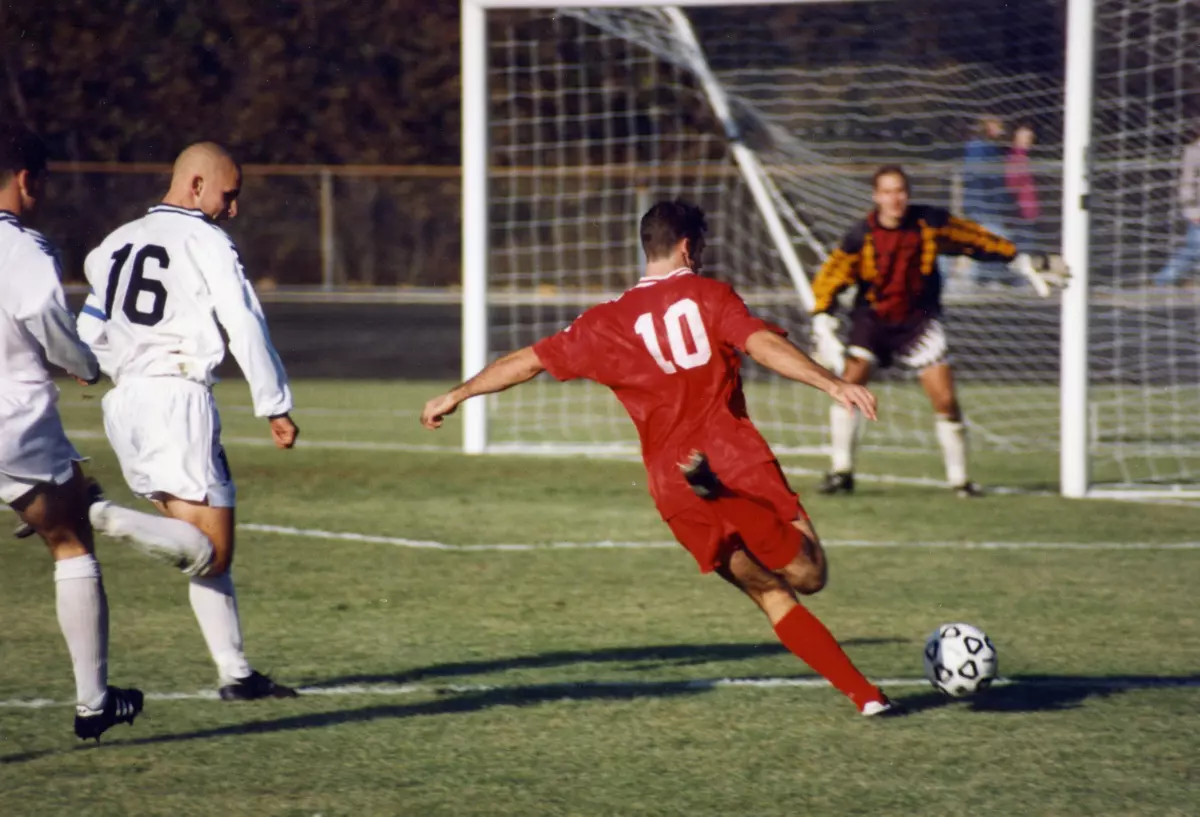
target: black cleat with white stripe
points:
(253, 687)
(120, 706)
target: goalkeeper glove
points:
(828, 349)
(1045, 271)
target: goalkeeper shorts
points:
(913, 344)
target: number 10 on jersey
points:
(677, 314)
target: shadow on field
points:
(1049, 693)
(451, 703)
(1029, 693)
(650, 657)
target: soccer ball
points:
(959, 660)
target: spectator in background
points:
(1186, 259)
(1022, 189)
(985, 197)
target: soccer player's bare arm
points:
(780, 356)
(511, 370)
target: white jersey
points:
(160, 286)
(35, 329)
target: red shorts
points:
(756, 513)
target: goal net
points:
(595, 113)
(1144, 402)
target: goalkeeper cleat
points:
(837, 483)
(120, 706)
(700, 476)
(253, 687)
(968, 490)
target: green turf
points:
(554, 681)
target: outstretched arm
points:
(511, 370)
(781, 357)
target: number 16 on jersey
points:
(138, 284)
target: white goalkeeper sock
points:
(172, 540)
(83, 618)
(845, 429)
(952, 437)
(215, 605)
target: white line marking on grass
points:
(336, 445)
(608, 544)
(421, 544)
(567, 689)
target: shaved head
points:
(206, 178)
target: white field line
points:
(611, 545)
(608, 544)
(339, 445)
(412, 414)
(567, 689)
(628, 455)
(424, 544)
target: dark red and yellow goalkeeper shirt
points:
(896, 269)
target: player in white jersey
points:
(39, 472)
(163, 286)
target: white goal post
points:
(1096, 390)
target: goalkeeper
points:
(891, 257)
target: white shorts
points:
(13, 488)
(166, 433)
(34, 449)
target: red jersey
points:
(668, 350)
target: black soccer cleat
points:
(968, 490)
(700, 476)
(253, 687)
(24, 531)
(837, 483)
(121, 706)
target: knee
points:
(806, 577)
(948, 410)
(221, 560)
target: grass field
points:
(587, 680)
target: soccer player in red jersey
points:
(668, 348)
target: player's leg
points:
(167, 437)
(59, 514)
(938, 382)
(169, 540)
(214, 602)
(800, 631)
(214, 598)
(131, 412)
(846, 427)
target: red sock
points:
(811, 642)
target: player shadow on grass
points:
(1048, 693)
(648, 657)
(447, 703)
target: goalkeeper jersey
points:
(668, 348)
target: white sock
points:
(172, 540)
(83, 619)
(953, 438)
(845, 428)
(215, 605)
